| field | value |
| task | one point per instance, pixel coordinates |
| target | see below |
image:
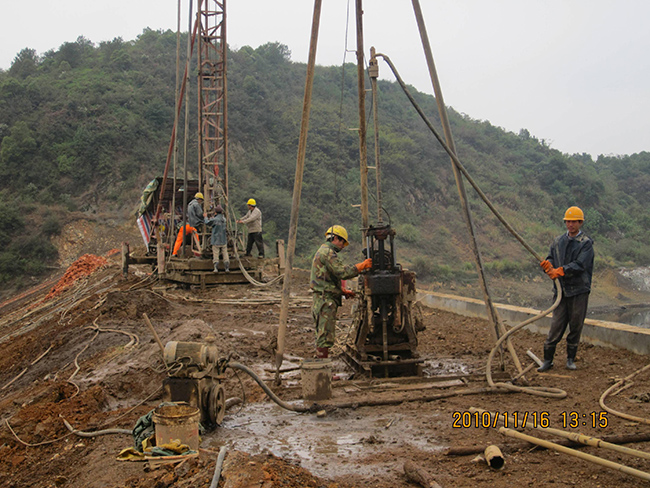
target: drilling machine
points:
(194, 376)
(384, 329)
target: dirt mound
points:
(101, 368)
(131, 304)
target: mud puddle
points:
(345, 442)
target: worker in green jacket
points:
(327, 271)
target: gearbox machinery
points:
(194, 375)
(384, 321)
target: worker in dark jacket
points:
(195, 215)
(570, 260)
(327, 271)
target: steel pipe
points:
(572, 452)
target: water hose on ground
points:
(96, 433)
(217, 468)
(532, 390)
(618, 384)
(268, 391)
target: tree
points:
(25, 64)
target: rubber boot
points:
(322, 352)
(549, 352)
(571, 352)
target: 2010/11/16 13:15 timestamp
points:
(465, 420)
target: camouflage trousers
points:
(324, 313)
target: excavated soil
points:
(86, 356)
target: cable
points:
(549, 392)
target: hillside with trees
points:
(85, 127)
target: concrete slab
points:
(598, 332)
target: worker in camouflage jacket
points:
(327, 271)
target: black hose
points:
(269, 392)
(455, 159)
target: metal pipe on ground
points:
(575, 437)
(572, 452)
(494, 457)
(614, 439)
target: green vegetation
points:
(88, 125)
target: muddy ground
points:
(86, 356)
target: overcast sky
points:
(575, 73)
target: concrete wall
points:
(599, 332)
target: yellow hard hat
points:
(199, 195)
(574, 213)
(337, 230)
(251, 201)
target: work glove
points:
(546, 265)
(348, 293)
(365, 264)
(555, 273)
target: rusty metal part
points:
(217, 404)
(196, 357)
(213, 100)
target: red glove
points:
(366, 264)
(555, 273)
(546, 265)
(348, 293)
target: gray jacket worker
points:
(195, 211)
(253, 221)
